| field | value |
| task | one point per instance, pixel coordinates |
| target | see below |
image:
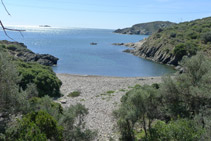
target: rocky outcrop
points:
(20, 51)
(143, 50)
(155, 53)
(145, 28)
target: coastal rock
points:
(144, 50)
(118, 44)
(128, 50)
(20, 51)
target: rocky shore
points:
(20, 51)
(101, 95)
(144, 50)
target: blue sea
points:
(77, 56)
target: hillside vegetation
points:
(145, 28)
(27, 113)
(30, 69)
(169, 45)
(178, 109)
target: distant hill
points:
(169, 45)
(145, 28)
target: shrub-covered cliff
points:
(145, 28)
(169, 45)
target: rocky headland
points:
(145, 28)
(20, 51)
(169, 45)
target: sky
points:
(105, 14)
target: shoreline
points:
(101, 95)
(101, 76)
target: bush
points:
(188, 49)
(74, 94)
(186, 96)
(192, 35)
(180, 51)
(74, 125)
(141, 105)
(206, 37)
(46, 104)
(180, 130)
(173, 35)
(35, 126)
(8, 84)
(42, 76)
(189, 93)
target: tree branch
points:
(4, 29)
(5, 7)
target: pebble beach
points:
(101, 95)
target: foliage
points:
(182, 49)
(74, 94)
(46, 104)
(110, 92)
(206, 37)
(37, 117)
(189, 93)
(140, 104)
(182, 103)
(179, 130)
(42, 76)
(74, 124)
(35, 126)
(8, 84)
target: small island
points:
(44, 26)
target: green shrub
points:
(192, 35)
(74, 94)
(46, 104)
(156, 85)
(189, 93)
(180, 130)
(139, 105)
(35, 126)
(110, 92)
(74, 124)
(43, 77)
(183, 49)
(8, 84)
(180, 51)
(173, 35)
(206, 37)
(187, 96)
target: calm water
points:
(77, 56)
